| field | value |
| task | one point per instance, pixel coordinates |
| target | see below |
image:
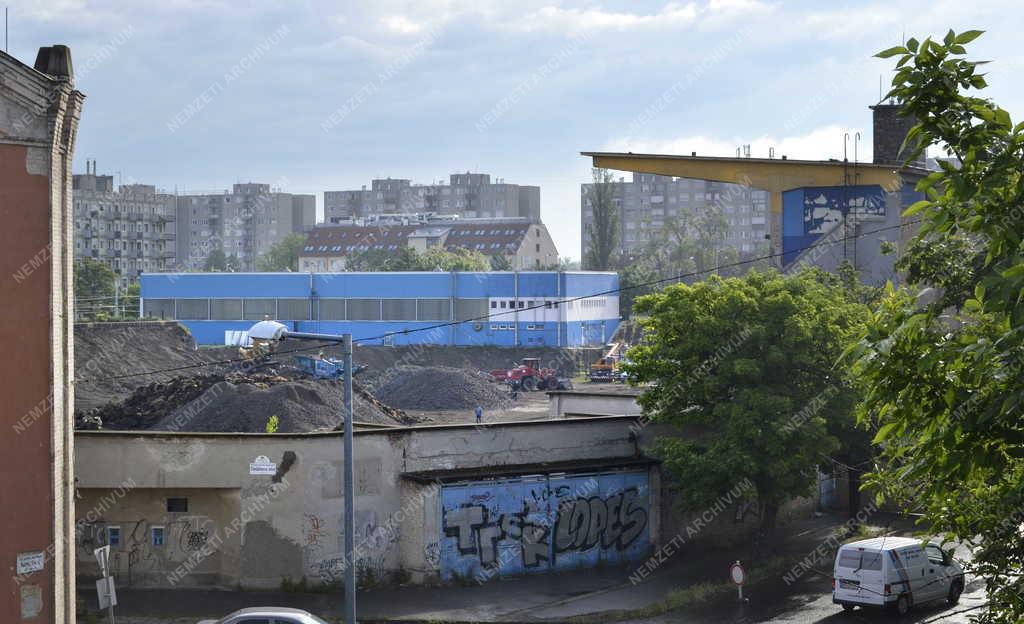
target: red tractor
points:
(528, 376)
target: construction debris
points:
(238, 402)
(209, 389)
(440, 388)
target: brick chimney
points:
(890, 128)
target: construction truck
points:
(606, 369)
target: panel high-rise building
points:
(243, 223)
(130, 228)
(469, 195)
(649, 203)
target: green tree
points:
(742, 367)
(603, 231)
(501, 262)
(401, 259)
(942, 369)
(232, 263)
(94, 286)
(634, 280)
(459, 259)
(216, 261)
(284, 255)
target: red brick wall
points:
(26, 489)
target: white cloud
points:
(573, 21)
(400, 25)
(819, 144)
(856, 23)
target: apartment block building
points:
(243, 223)
(470, 195)
(130, 228)
(650, 203)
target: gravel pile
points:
(439, 388)
(238, 402)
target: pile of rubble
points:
(206, 389)
(239, 402)
(439, 388)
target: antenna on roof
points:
(7, 47)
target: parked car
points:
(896, 573)
(268, 615)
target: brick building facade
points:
(39, 112)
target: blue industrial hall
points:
(498, 308)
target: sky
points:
(310, 96)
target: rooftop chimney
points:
(55, 61)
(890, 128)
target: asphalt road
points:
(817, 607)
(810, 602)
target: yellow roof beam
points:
(770, 174)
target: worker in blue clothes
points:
(479, 411)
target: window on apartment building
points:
(177, 505)
(156, 535)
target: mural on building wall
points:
(811, 212)
(500, 528)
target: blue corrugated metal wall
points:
(467, 285)
(543, 523)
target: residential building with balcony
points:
(130, 228)
(244, 223)
(649, 203)
(470, 195)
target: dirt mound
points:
(233, 397)
(439, 388)
(238, 402)
(105, 350)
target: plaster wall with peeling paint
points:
(271, 530)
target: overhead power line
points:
(405, 332)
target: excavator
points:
(606, 368)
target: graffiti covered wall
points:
(538, 524)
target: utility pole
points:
(350, 564)
(272, 332)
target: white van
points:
(896, 573)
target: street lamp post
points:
(271, 333)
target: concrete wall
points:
(577, 403)
(254, 530)
(39, 112)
